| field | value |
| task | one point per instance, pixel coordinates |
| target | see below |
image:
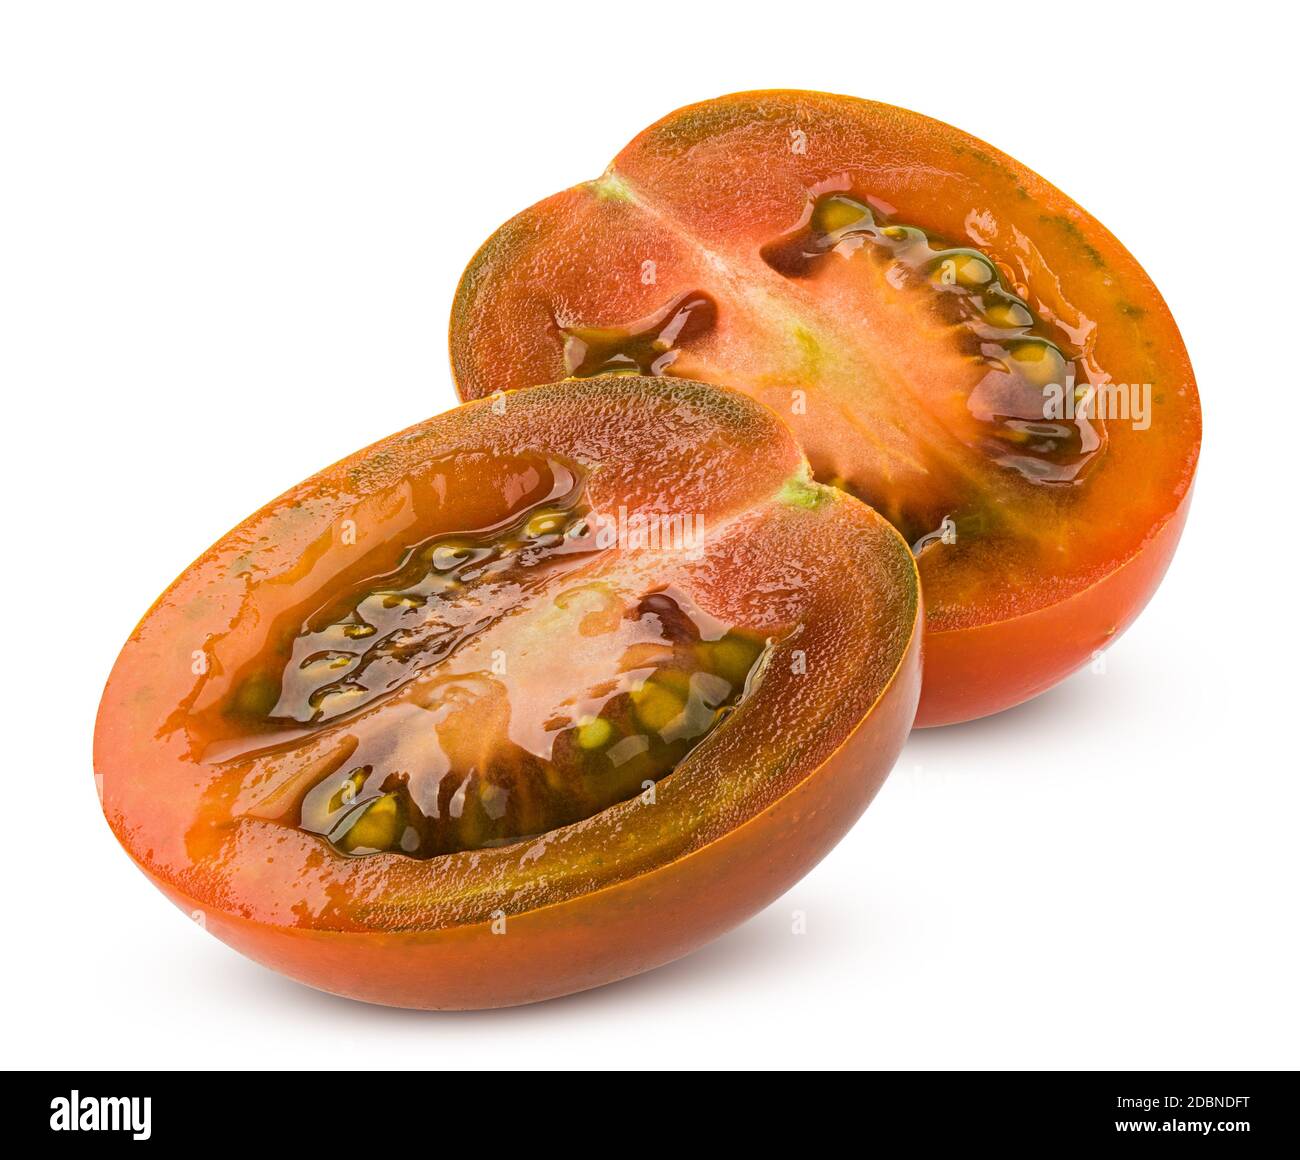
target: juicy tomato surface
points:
(951, 338)
(533, 696)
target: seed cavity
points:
(479, 787)
(648, 346)
(494, 684)
(999, 330)
(370, 641)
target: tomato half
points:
(538, 694)
(951, 338)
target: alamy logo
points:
(649, 531)
(78, 1113)
(1122, 402)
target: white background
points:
(229, 236)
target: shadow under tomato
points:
(1086, 700)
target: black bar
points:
(1223, 1110)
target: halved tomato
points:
(951, 338)
(535, 695)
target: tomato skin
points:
(708, 189)
(976, 672)
(739, 821)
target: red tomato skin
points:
(976, 672)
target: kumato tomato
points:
(535, 695)
(951, 338)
